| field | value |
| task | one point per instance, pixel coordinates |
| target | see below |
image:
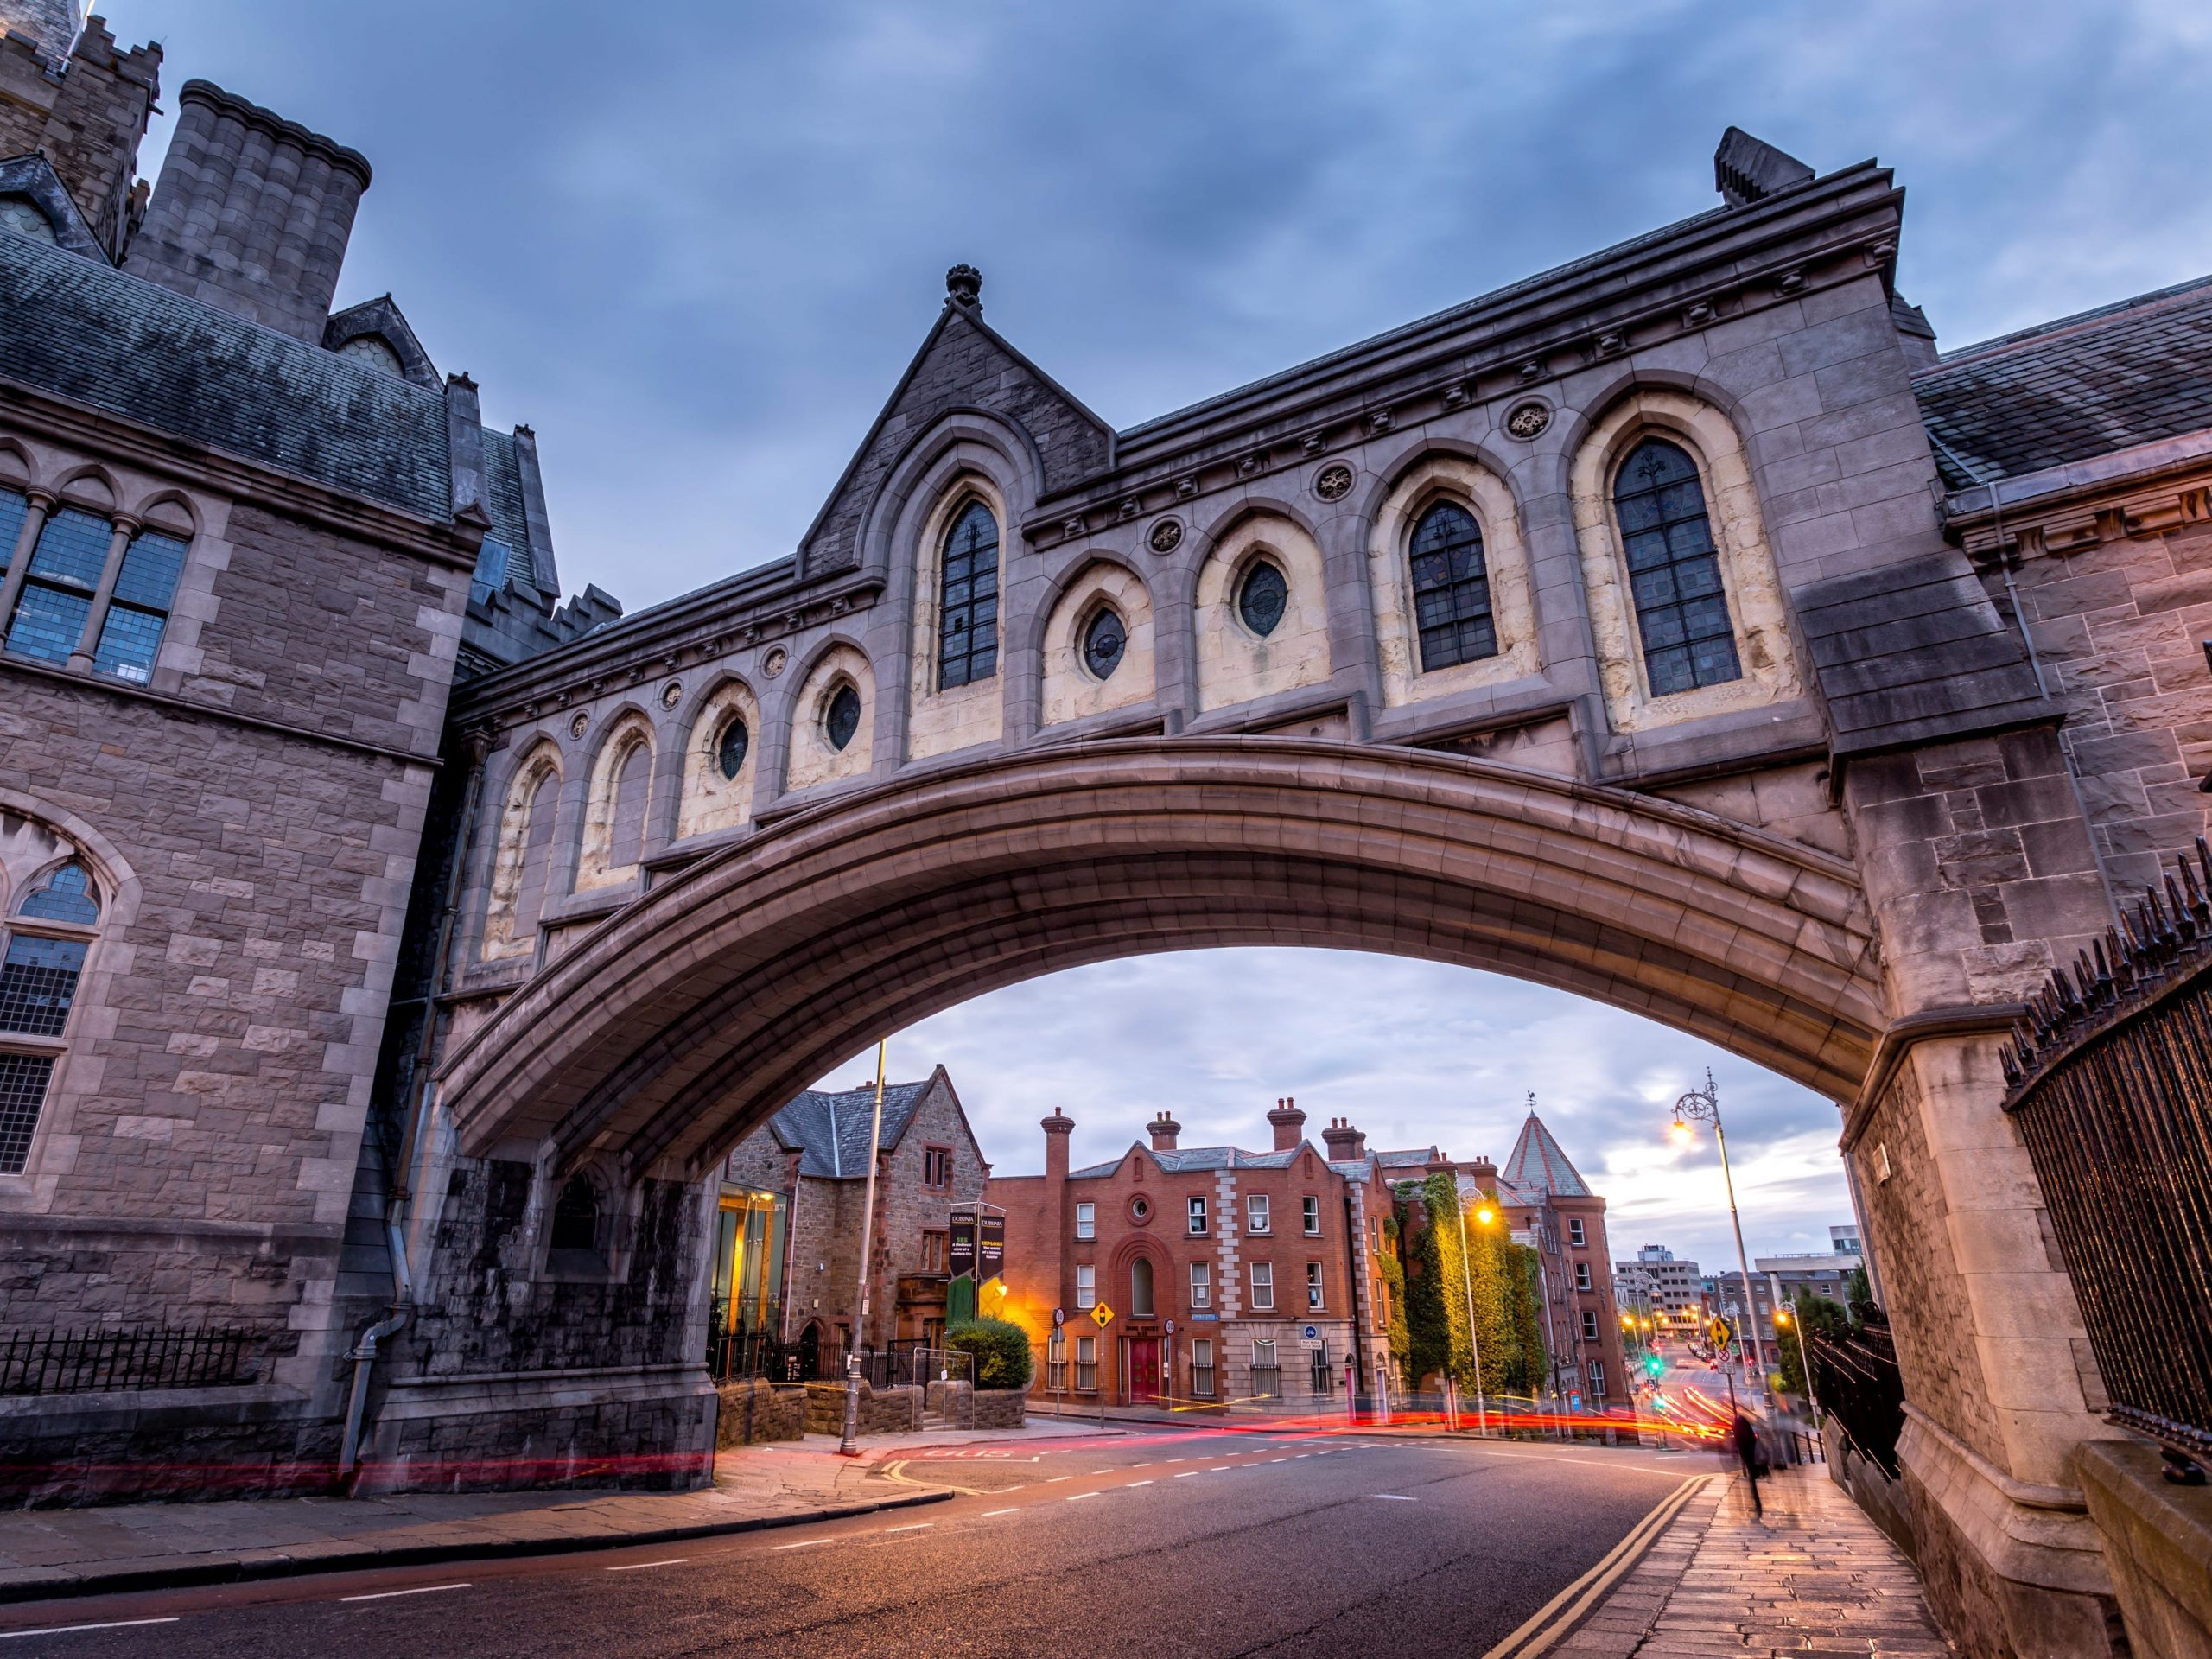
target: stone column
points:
(1980, 875)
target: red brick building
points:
(1216, 1263)
(793, 1194)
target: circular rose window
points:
(1140, 1210)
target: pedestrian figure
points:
(1753, 1458)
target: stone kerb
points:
(915, 894)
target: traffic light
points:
(1653, 1365)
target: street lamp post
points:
(850, 1447)
(1474, 1341)
(1703, 1105)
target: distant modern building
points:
(1669, 1288)
(792, 1195)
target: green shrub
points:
(1001, 1350)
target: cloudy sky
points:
(694, 245)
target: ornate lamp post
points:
(1703, 1106)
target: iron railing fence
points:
(1856, 1381)
(131, 1357)
(2110, 1077)
(913, 1365)
(755, 1350)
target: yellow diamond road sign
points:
(1103, 1314)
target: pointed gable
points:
(1538, 1162)
(963, 364)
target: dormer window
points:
(375, 351)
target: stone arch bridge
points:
(1648, 629)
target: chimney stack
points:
(252, 212)
(1058, 1127)
(1164, 1131)
(1289, 1124)
(1345, 1143)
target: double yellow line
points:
(1564, 1610)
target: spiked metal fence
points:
(90, 1362)
(1855, 1378)
(2110, 1080)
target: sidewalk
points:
(1813, 1576)
(47, 1552)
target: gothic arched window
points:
(1681, 608)
(1141, 1288)
(627, 807)
(1452, 588)
(41, 959)
(967, 601)
(576, 1217)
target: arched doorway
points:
(809, 1351)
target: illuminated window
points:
(968, 617)
(1681, 608)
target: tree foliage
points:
(1813, 1312)
(1001, 1350)
(1461, 1265)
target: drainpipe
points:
(364, 1354)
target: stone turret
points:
(68, 94)
(252, 212)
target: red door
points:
(1144, 1370)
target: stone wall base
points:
(883, 1411)
(647, 1428)
(2009, 1574)
(174, 1445)
(2157, 1539)
(1887, 1502)
(758, 1410)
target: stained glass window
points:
(1262, 599)
(1103, 643)
(13, 507)
(843, 718)
(731, 749)
(140, 609)
(1452, 588)
(1681, 608)
(968, 619)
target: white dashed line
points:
(1056, 1479)
(639, 1567)
(63, 1630)
(1077, 1497)
(911, 1526)
(1140, 1483)
(1188, 1473)
(987, 1514)
(1396, 1498)
(807, 1543)
(419, 1590)
(1219, 1468)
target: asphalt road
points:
(1159, 1543)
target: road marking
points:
(1396, 1498)
(1304, 1454)
(1542, 1631)
(639, 1567)
(1188, 1473)
(1278, 1459)
(1077, 1497)
(1095, 1472)
(1139, 1483)
(987, 1514)
(419, 1590)
(1056, 1479)
(1139, 1466)
(1219, 1468)
(911, 1526)
(63, 1630)
(807, 1543)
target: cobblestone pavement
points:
(121, 1547)
(1814, 1575)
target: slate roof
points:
(830, 1130)
(510, 521)
(1408, 1158)
(2124, 374)
(1189, 1159)
(82, 331)
(1914, 652)
(1540, 1164)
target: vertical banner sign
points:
(990, 1252)
(963, 1252)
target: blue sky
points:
(693, 245)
